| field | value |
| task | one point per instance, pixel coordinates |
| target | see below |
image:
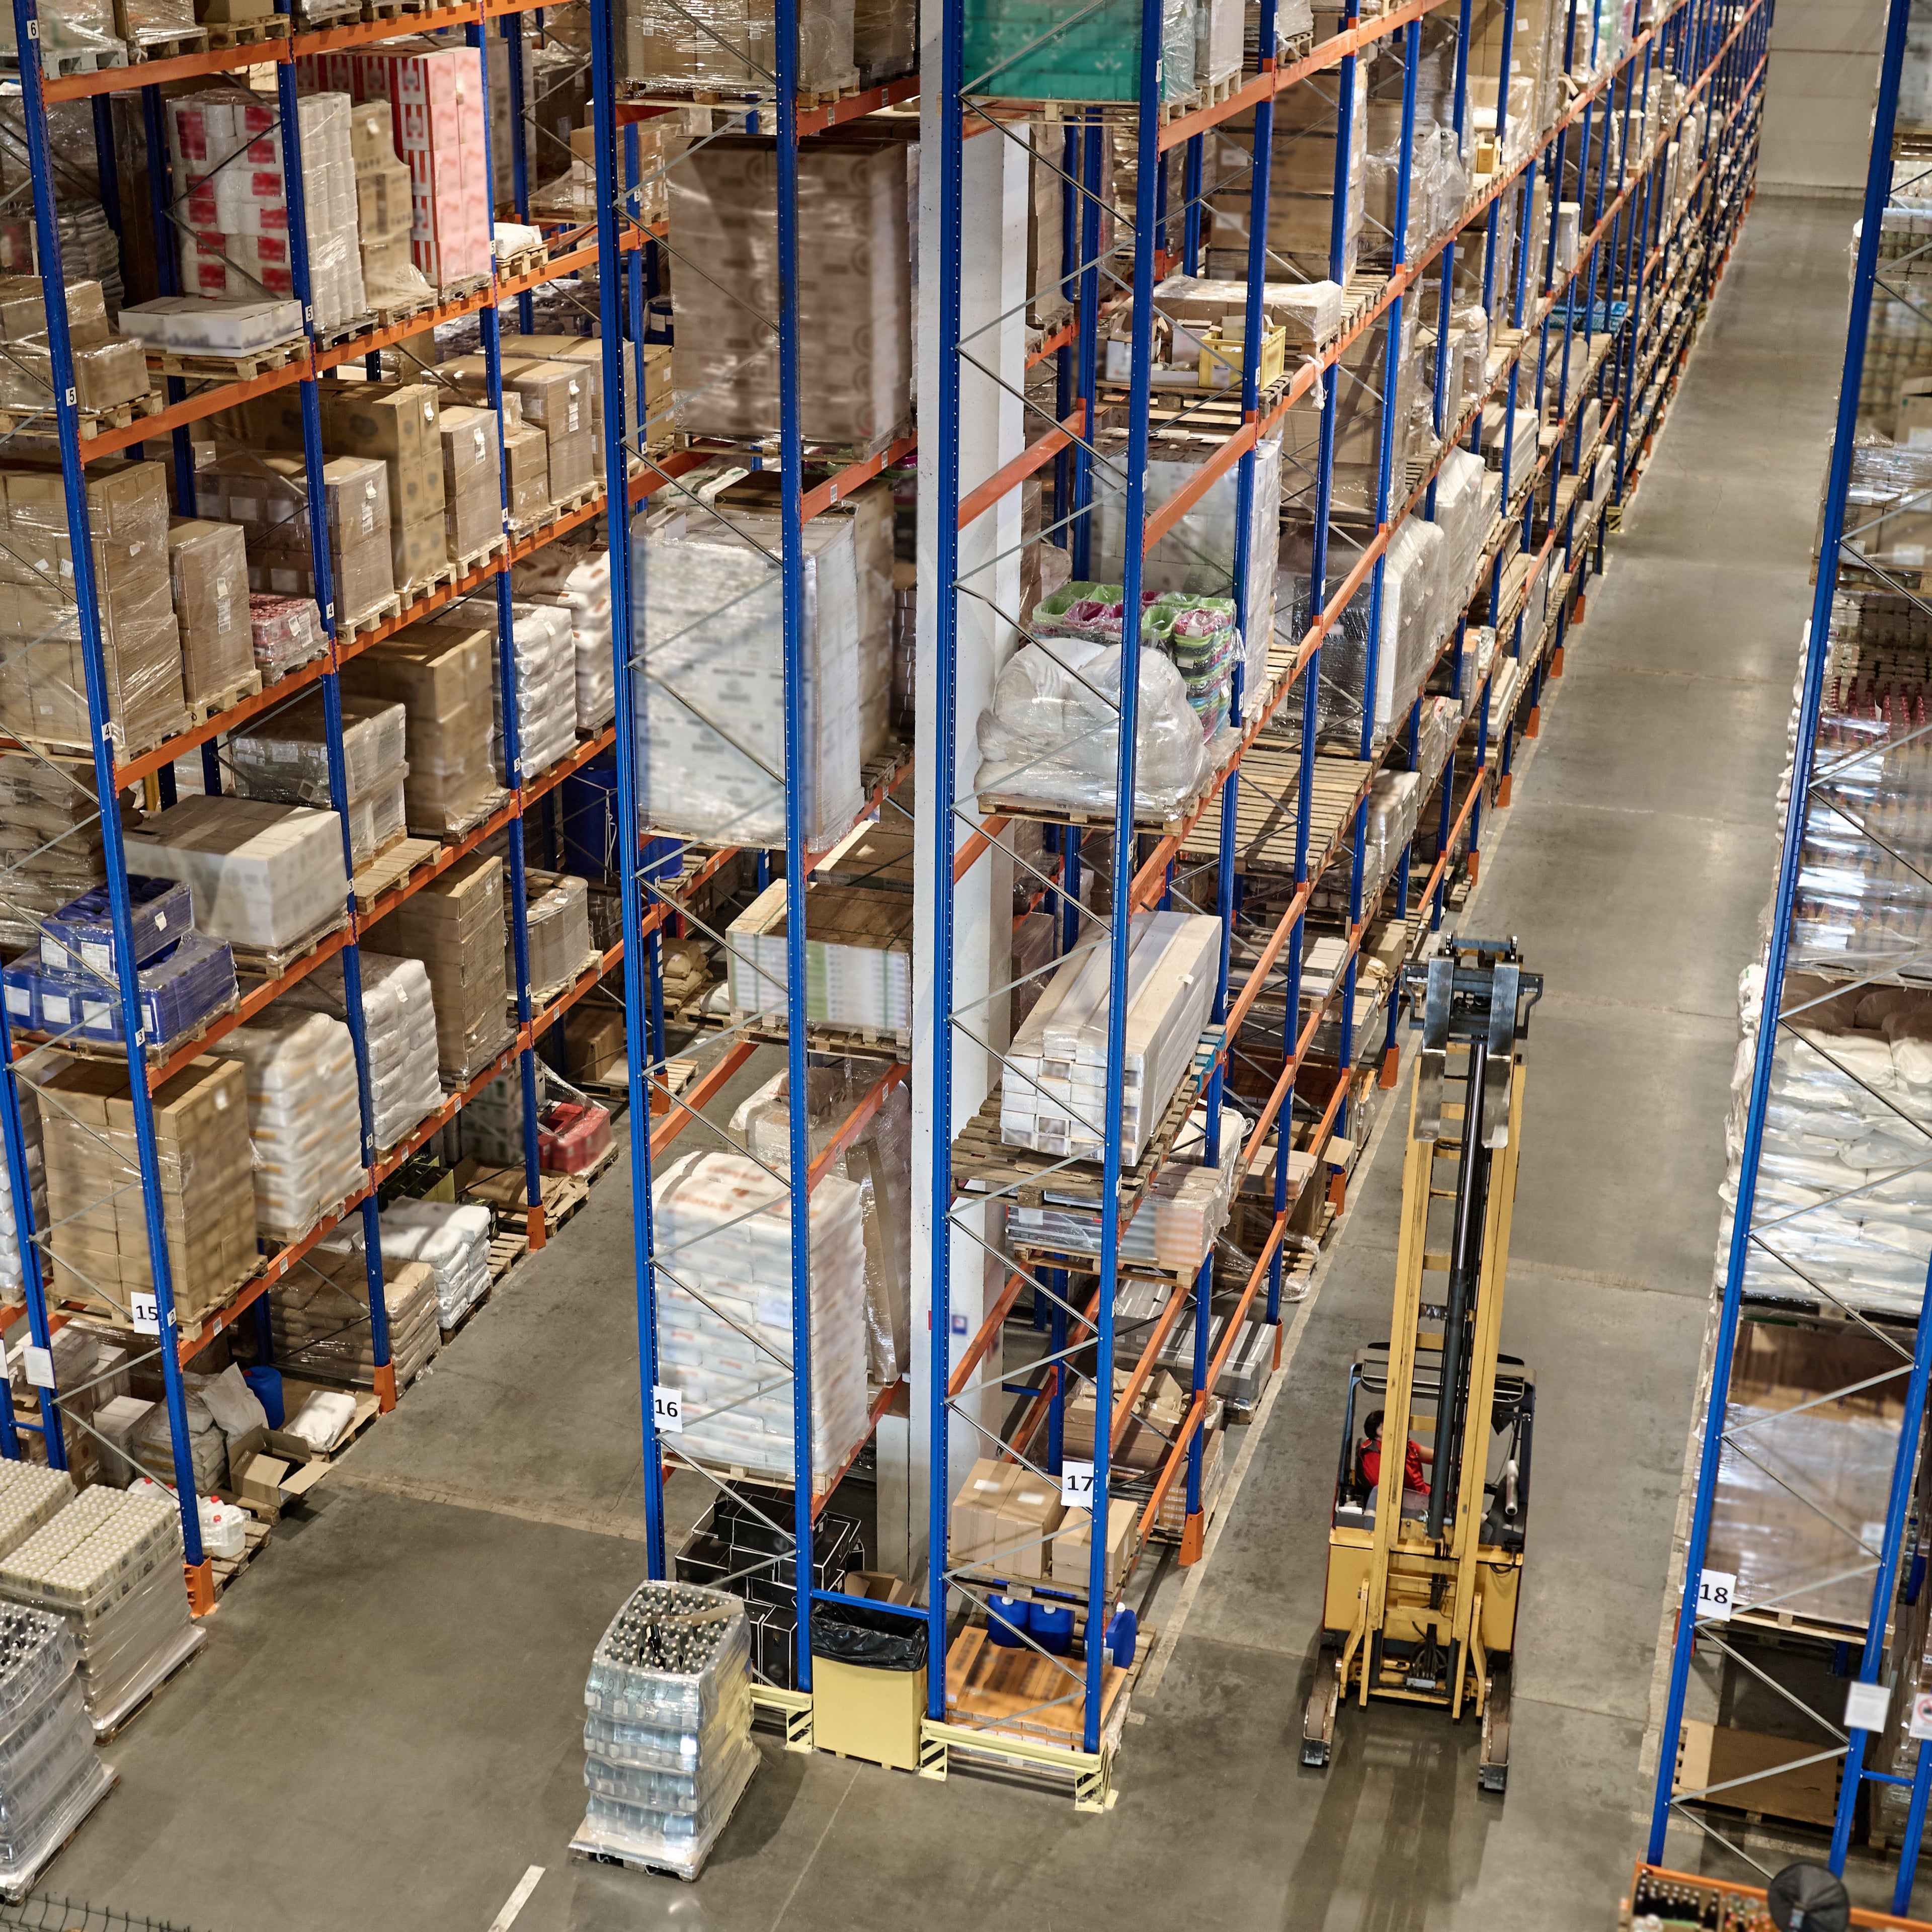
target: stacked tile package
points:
(319, 1317)
(233, 212)
(858, 957)
(109, 1565)
(266, 877)
(451, 1241)
(305, 1119)
(454, 926)
(399, 1027)
(50, 1775)
(435, 96)
(730, 1226)
(709, 695)
(43, 695)
(854, 293)
(1062, 1050)
(668, 1727)
(284, 758)
(442, 675)
(99, 1237)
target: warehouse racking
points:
(119, 765)
(1003, 403)
(1848, 1588)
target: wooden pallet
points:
(544, 996)
(851, 1042)
(209, 365)
(255, 1534)
(37, 423)
(468, 566)
(1015, 1693)
(261, 963)
(505, 1251)
(216, 702)
(156, 1052)
(1029, 1176)
(255, 33)
(372, 619)
(168, 46)
(520, 262)
(389, 868)
(1267, 792)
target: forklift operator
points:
(1414, 1463)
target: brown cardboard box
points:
(455, 927)
(1073, 1547)
(110, 372)
(1028, 1513)
(440, 673)
(397, 423)
(557, 396)
(418, 549)
(209, 566)
(472, 479)
(976, 1511)
(526, 451)
(595, 1036)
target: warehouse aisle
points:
(385, 1730)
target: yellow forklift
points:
(1432, 1495)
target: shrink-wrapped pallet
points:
(13, 1278)
(305, 1121)
(454, 926)
(559, 925)
(1051, 735)
(1053, 1094)
(442, 675)
(730, 1226)
(578, 581)
(730, 46)
(451, 1240)
(399, 1026)
(877, 1162)
(858, 954)
(109, 1565)
(319, 1315)
(50, 1775)
(1301, 184)
(667, 1728)
(1032, 50)
(285, 759)
(1197, 634)
(708, 691)
(50, 849)
(854, 295)
(1468, 496)
(546, 654)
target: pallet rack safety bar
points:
(156, 1313)
(1715, 52)
(1693, 1618)
(200, 1584)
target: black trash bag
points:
(873, 1638)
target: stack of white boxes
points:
(1061, 1051)
(286, 757)
(227, 155)
(399, 1024)
(729, 1224)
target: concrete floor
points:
(385, 1729)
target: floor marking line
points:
(515, 1903)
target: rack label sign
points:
(1919, 1723)
(1865, 1706)
(145, 1312)
(668, 1409)
(1076, 1485)
(1716, 1590)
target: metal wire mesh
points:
(68, 1915)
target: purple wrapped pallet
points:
(187, 985)
(80, 937)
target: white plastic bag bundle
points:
(546, 686)
(570, 578)
(453, 1241)
(1052, 734)
(399, 1024)
(304, 1125)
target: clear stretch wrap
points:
(854, 291)
(1051, 735)
(708, 691)
(1198, 634)
(730, 1224)
(285, 759)
(730, 46)
(452, 1241)
(109, 369)
(878, 1163)
(579, 581)
(667, 1728)
(304, 1124)
(559, 929)
(50, 1777)
(546, 656)
(399, 1024)
(50, 848)
(318, 1315)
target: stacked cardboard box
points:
(472, 480)
(854, 296)
(1005, 1519)
(87, 28)
(50, 849)
(285, 757)
(556, 400)
(108, 369)
(435, 96)
(441, 675)
(383, 211)
(99, 1241)
(731, 46)
(233, 210)
(319, 1317)
(1301, 183)
(208, 564)
(44, 694)
(454, 926)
